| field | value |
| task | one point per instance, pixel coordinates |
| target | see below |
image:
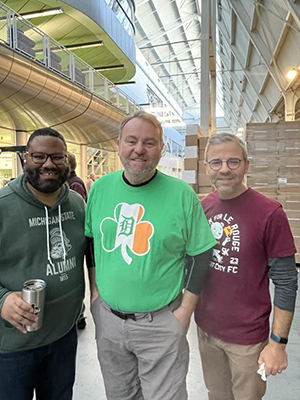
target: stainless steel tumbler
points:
(34, 294)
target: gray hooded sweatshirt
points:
(41, 242)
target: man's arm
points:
(197, 269)
(284, 275)
(93, 287)
(274, 354)
(90, 262)
(89, 253)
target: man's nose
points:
(49, 163)
(139, 148)
(224, 168)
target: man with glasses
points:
(254, 243)
(41, 237)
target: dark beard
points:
(32, 176)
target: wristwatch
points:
(278, 339)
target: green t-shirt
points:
(141, 235)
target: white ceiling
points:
(168, 34)
(257, 43)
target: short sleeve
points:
(88, 220)
(279, 240)
(200, 237)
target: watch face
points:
(283, 341)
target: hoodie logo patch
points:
(57, 250)
(57, 253)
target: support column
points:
(212, 67)
(213, 99)
(205, 92)
(83, 162)
(290, 100)
(21, 140)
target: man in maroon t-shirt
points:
(254, 243)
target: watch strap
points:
(278, 339)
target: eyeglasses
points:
(41, 158)
(232, 163)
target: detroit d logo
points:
(57, 250)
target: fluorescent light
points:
(110, 67)
(124, 83)
(84, 45)
(42, 13)
(73, 47)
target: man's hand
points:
(275, 358)
(186, 309)
(93, 287)
(183, 316)
(94, 295)
(17, 312)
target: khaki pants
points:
(145, 359)
(230, 371)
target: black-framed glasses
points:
(41, 158)
(232, 163)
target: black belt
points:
(122, 315)
(135, 316)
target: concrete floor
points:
(89, 383)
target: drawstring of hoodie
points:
(61, 233)
(48, 240)
(48, 235)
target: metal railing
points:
(24, 37)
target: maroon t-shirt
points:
(235, 303)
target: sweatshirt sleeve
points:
(3, 294)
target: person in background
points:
(78, 186)
(90, 180)
(41, 237)
(254, 244)
(143, 224)
(74, 181)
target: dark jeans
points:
(50, 370)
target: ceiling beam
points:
(233, 94)
(232, 26)
(259, 44)
(235, 51)
(282, 36)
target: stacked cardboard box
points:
(190, 173)
(204, 185)
(262, 153)
(274, 154)
(194, 169)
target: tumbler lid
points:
(34, 284)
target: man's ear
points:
(247, 166)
